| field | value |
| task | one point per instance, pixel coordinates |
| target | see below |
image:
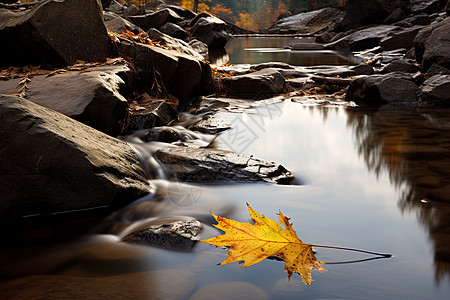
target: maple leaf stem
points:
(352, 249)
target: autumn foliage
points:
(254, 243)
(249, 14)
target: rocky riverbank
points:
(111, 69)
(68, 91)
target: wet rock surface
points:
(173, 235)
(93, 169)
(212, 165)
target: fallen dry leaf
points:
(254, 243)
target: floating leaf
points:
(254, 243)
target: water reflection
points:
(254, 50)
(413, 147)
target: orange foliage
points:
(223, 12)
(247, 21)
(262, 18)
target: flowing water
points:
(370, 179)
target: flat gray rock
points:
(171, 235)
(212, 165)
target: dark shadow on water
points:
(413, 147)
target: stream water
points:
(370, 179)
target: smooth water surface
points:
(254, 50)
(375, 180)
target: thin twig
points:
(352, 249)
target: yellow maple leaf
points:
(254, 243)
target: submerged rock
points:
(436, 91)
(91, 95)
(32, 36)
(172, 235)
(259, 85)
(394, 87)
(51, 164)
(212, 165)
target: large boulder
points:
(91, 96)
(395, 88)
(432, 45)
(358, 13)
(260, 84)
(307, 22)
(362, 39)
(435, 91)
(54, 32)
(212, 165)
(210, 30)
(52, 164)
(400, 39)
(182, 75)
(155, 19)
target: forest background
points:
(250, 14)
